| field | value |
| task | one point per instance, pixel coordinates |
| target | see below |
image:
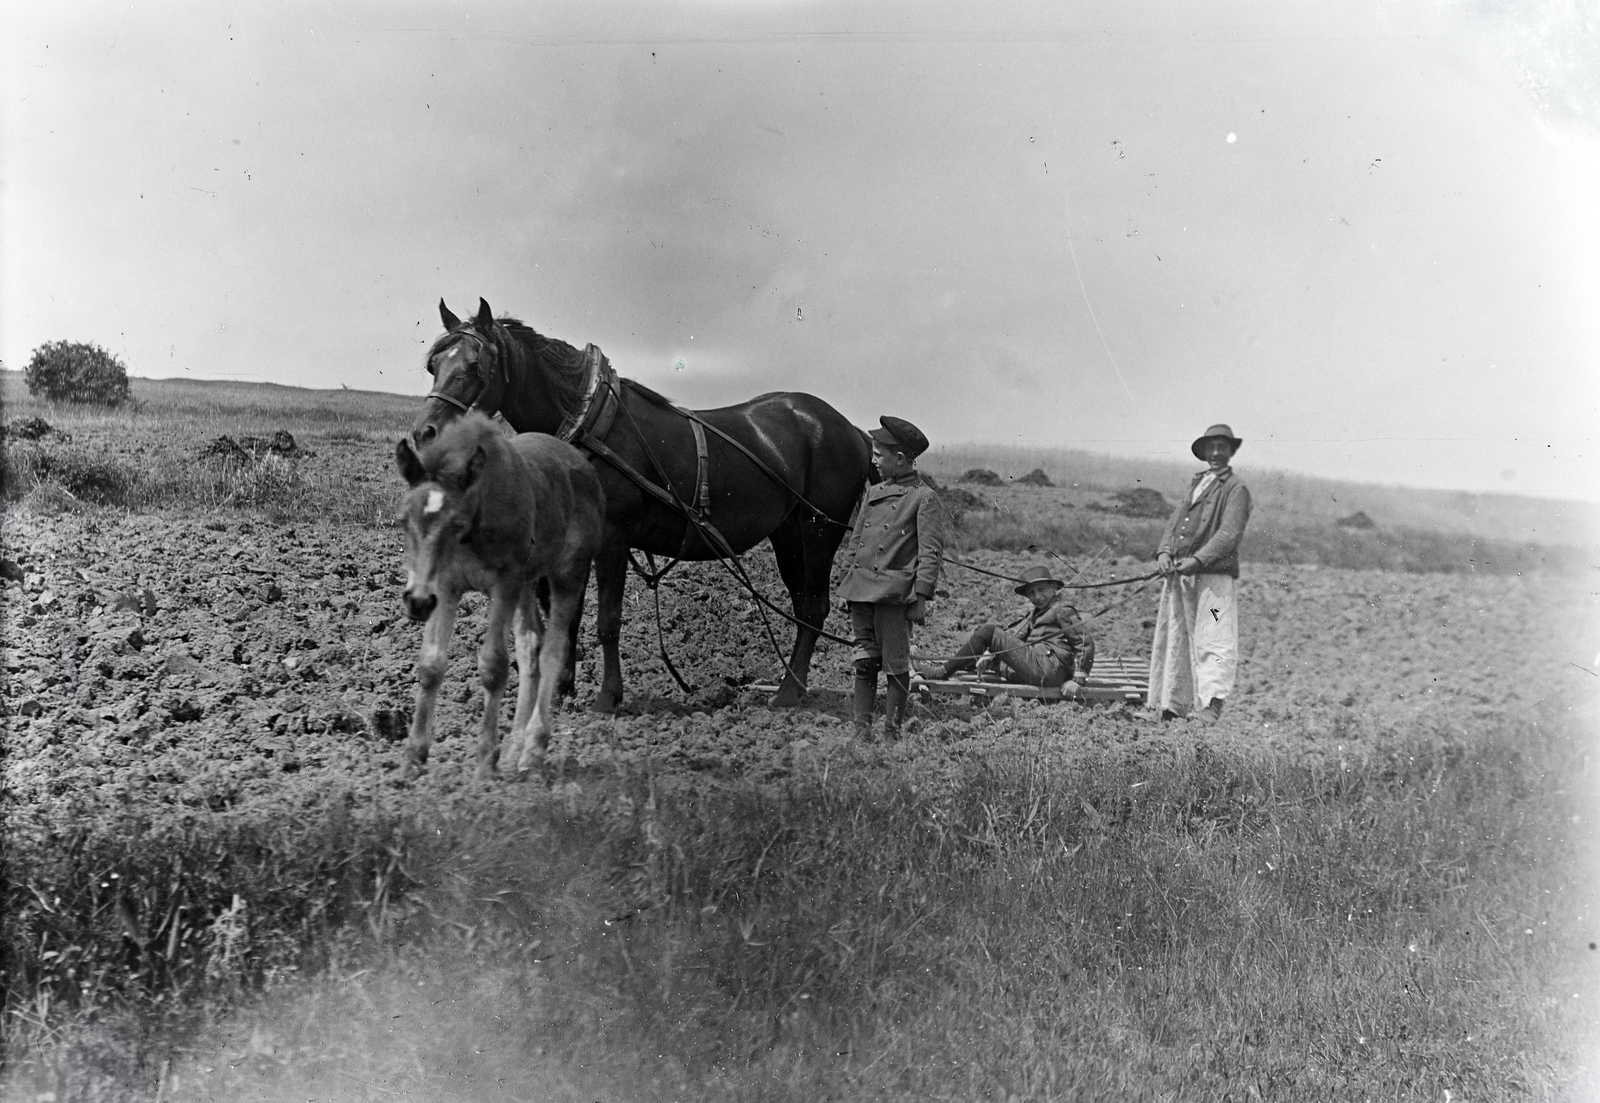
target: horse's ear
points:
(485, 318)
(474, 468)
(450, 320)
(409, 463)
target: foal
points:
(518, 518)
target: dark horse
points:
(784, 467)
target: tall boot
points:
(896, 694)
(866, 696)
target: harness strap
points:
(652, 579)
(599, 448)
(719, 543)
(700, 424)
(702, 462)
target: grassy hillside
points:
(160, 454)
(199, 405)
(1303, 498)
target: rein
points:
(1065, 585)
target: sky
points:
(1361, 232)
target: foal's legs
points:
(529, 631)
(611, 576)
(430, 673)
(564, 601)
(493, 664)
(568, 685)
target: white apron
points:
(1195, 654)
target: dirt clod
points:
(185, 710)
(391, 724)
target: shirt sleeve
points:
(1076, 632)
(1225, 541)
(930, 543)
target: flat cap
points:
(899, 433)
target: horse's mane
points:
(564, 367)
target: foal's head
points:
(441, 511)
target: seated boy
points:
(1042, 649)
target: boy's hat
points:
(900, 434)
(1036, 574)
(1221, 431)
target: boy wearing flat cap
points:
(891, 567)
(1195, 655)
(1045, 648)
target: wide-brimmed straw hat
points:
(1221, 431)
(1036, 574)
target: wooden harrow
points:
(1113, 679)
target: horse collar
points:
(599, 406)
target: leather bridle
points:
(456, 402)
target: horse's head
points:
(440, 514)
(469, 369)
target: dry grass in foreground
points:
(1225, 926)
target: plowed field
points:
(206, 661)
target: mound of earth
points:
(1139, 501)
(1036, 477)
(281, 443)
(982, 476)
(31, 428)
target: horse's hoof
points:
(787, 697)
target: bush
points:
(982, 476)
(66, 371)
(1036, 477)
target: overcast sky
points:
(1363, 233)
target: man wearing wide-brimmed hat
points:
(1045, 648)
(891, 571)
(1195, 656)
